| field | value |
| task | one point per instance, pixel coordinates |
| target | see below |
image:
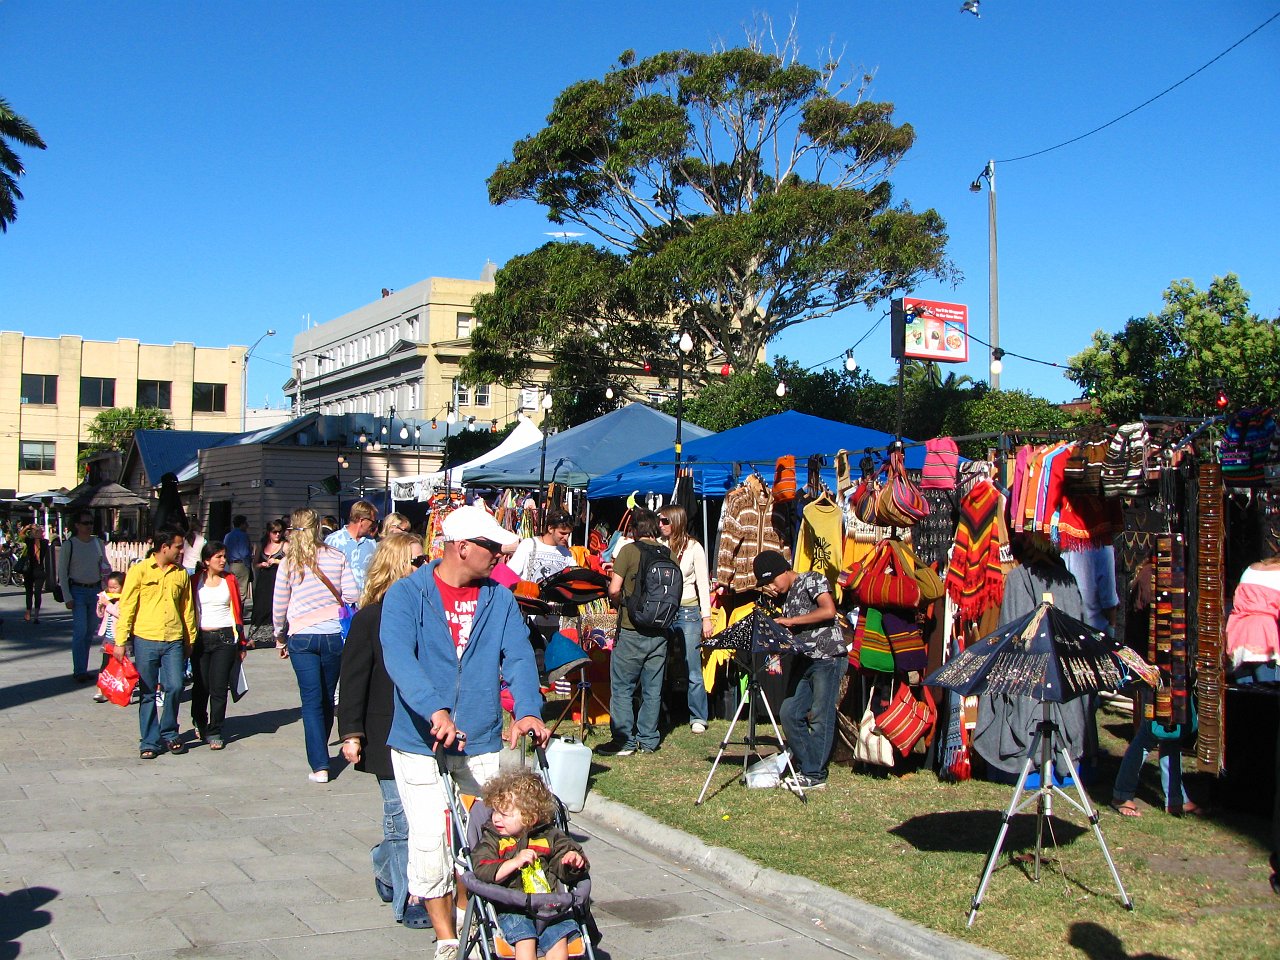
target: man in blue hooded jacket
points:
(449, 632)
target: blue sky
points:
(215, 169)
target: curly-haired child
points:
(522, 849)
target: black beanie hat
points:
(768, 566)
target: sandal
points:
(147, 754)
(177, 748)
(215, 744)
(1188, 810)
(1127, 809)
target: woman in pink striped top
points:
(305, 617)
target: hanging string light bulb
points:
(726, 370)
(782, 388)
(608, 393)
(997, 363)
(850, 364)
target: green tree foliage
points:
(16, 129)
(994, 411)
(737, 193)
(932, 406)
(113, 429)
(1175, 361)
(466, 445)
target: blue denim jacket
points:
(418, 651)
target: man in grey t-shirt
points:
(808, 715)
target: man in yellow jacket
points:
(158, 612)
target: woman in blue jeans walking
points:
(1175, 794)
(366, 705)
(305, 615)
(694, 619)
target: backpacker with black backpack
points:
(659, 585)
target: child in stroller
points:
(521, 849)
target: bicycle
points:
(9, 567)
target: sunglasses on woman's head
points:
(419, 560)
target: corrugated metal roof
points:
(168, 451)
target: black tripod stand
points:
(750, 742)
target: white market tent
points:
(421, 486)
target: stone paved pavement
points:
(236, 855)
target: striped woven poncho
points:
(975, 578)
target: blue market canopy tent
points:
(576, 455)
(713, 459)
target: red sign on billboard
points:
(930, 330)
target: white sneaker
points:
(318, 776)
(698, 726)
(447, 950)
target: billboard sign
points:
(930, 330)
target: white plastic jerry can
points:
(569, 764)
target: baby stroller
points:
(479, 931)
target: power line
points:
(1028, 156)
(845, 353)
(1010, 353)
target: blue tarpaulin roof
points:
(713, 459)
(576, 455)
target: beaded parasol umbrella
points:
(754, 633)
(1045, 655)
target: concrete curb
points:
(867, 925)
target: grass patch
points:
(916, 846)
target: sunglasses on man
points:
(491, 545)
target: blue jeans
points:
(638, 659)
(391, 856)
(1136, 755)
(84, 624)
(158, 662)
(516, 927)
(809, 715)
(689, 623)
(316, 659)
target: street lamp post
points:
(244, 378)
(542, 459)
(449, 420)
(685, 344)
(993, 282)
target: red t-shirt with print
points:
(459, 610)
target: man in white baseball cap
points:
(448, 633)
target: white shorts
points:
(425, 806)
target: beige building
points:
(402, 350)
(51, 388)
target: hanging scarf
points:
(975, 578)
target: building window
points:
(413, 328)
(461, 395)
(97, 391)
(528, 398)
(209, 397)
(157, 394)
(36, 455)
(40, 388)
(466, 321)
(482, 396)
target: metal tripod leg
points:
(782, 745)
(1004, 827)
(1092, 814)
(748, 703)
(728, 738)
